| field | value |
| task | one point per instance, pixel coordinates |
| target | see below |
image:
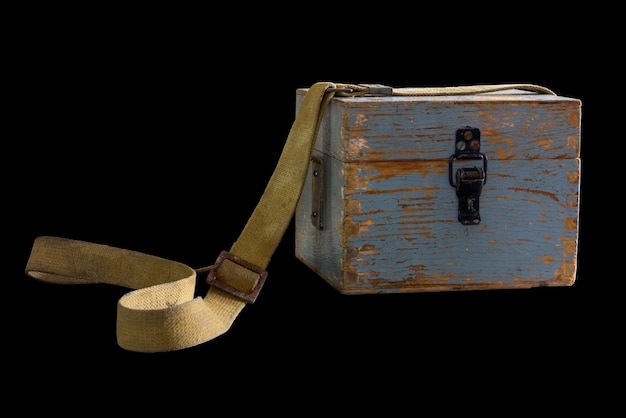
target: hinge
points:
(317, 192)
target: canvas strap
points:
(162, 312)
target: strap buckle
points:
(340, 90)
(362, 90)
(248, 297)
(378, 90)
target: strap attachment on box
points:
(362, 90)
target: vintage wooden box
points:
(437, 193)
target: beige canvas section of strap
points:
(475, 89)
(162, 313)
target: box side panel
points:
(401, 231)
(320, 248)
(401, 129)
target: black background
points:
(158, 132)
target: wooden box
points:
(438, 193)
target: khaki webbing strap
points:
(162, 313)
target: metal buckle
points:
(378, 90)
(339, 90)
(365, 90)
(248, 297)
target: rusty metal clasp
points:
(468, 181)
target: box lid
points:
(513, 124)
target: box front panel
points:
(401, 232)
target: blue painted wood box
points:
(438, 193)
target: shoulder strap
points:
(162, 313)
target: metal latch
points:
(468, 181)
